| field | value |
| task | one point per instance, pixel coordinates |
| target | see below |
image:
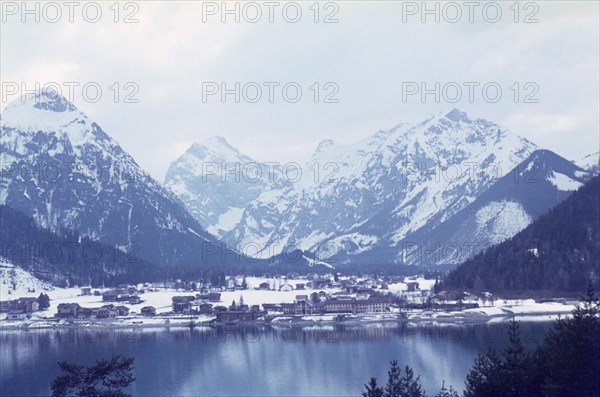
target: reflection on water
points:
(255, 360)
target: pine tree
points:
(372, 389)
(44, 301)
(515, 364)
(105, 378)
(409, 385)
(570, 353)
(393, 387)
(483, 380)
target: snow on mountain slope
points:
(563, 182)
(390, 184)
(215, 182)
(500, 220)
(363, 199)
(16, 282)
(62, 169)
(501, 211)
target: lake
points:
(256, 361)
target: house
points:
(85, 291)
(6, 306)
(84, 313)
(134, 300)
(353, 305)
(300, 308)
(286, 287)
(110, 296)
(288, 308)
(301, 298)
(148, 311)
(67, 310)
(300, 286)
(412, 286)
(306, 307)
(372, 305)
(210, 297)
(182, 304)
(264, 286)
(107, 311)
(320, 283)
(338, 306)
(205, 308)
(17, 315)
(230, 284)
(122, 310)
(26, 304)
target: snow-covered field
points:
(23, 284)
(16, 282)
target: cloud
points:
(368, 55)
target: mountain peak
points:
(45, 110)
(325, 144)
(457, 115)
(216, 148)
(46, 99)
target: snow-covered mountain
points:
(360, 202)
(514, 201)
(216, 182)
(63, 170)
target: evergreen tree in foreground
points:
(514, 371)
(397, 385)
(372, 390)
(393, 387)
(410, 387)
(569, 357)
(482, 379)
(106, 378)
(566, 364)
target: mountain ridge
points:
(374, 192)
(62, 169)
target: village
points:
(276, 300)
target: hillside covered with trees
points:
(556, 254)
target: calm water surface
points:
(323, 361)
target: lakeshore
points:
(166, 314)
(527, 312)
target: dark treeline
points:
(66, 258)
(566, 364)
(556, 254)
